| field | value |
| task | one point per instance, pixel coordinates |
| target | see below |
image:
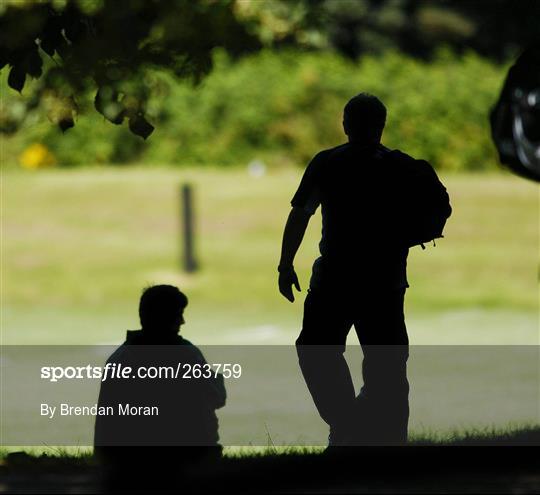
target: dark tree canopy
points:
(107, 48)
(107, 45)
(493, 28)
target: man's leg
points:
(320, 348)
(383, 403)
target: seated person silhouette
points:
(154, 406)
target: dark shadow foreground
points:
(462, 467)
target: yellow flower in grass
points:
(36, 156)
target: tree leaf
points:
(4, 57)
(51, 37)
(74, 30)
(62, 48)
(139, 126)
(16, 78)
(118, 118)
(47, 44)
(8, 125)
(66, 123)
(107, 104)
(33, 64)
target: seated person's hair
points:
(364, 117)
(161, 306)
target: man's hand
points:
(292, 237)
(288, 278)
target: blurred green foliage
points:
(69, 48)
(70, 56)
(285, 106)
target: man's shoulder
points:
(329, 152)
(419, 165)
(397, 154)
(346, 149)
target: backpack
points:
(422, 201)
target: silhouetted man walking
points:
(364, 190)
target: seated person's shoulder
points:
(190, 351)
(118, 354)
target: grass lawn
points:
(78, 246)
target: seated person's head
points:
(364, 117)
(161, 309)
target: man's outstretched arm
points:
(293, 234)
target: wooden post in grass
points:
(188, 232)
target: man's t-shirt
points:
(357, 191)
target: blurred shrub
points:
(285, 106)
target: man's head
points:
(364, 117)
(161, 309)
